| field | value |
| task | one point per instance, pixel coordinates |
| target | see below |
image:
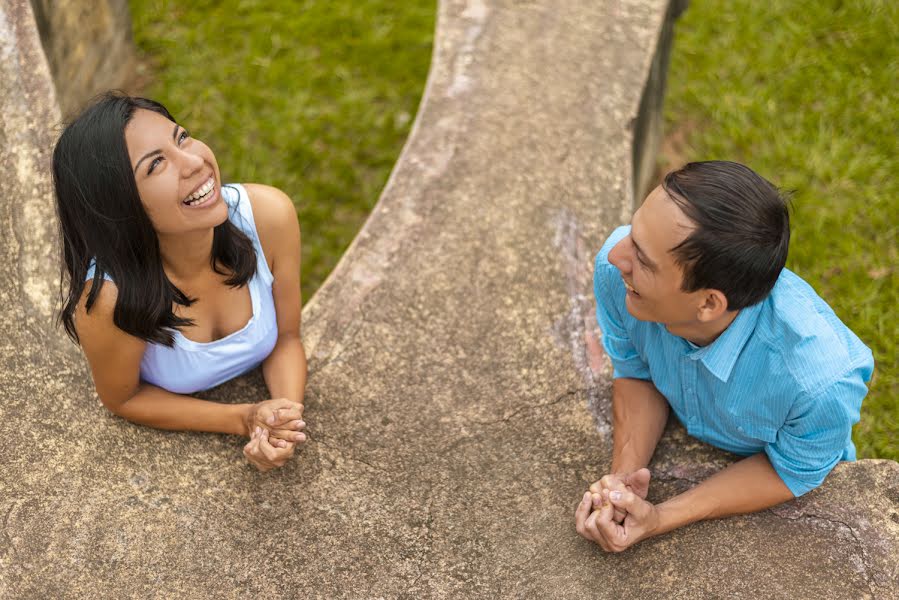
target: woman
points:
(177, 283)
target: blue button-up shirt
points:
(787, 377)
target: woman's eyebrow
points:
(155, 152)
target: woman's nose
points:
(190, 162)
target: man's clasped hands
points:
(614, 512)
(275, 428)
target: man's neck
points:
(705, 332)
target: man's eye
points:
(156, 161)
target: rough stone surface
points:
(88, 45)
(455, 411)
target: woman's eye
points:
(184, 135)
(155, 163)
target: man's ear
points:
(714, 305)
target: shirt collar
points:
(720, 356)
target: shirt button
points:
(740, 429)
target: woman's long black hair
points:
(102, 219)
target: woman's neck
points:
(186, 255)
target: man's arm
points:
(747, 486)
(639, 414)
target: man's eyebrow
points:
(644, 258)
(155, 152)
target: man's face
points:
(652, 277)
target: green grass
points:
(317, 98)
(314, 97)
(805, 93)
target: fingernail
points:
(270, 420)
(258, 430)
(616, 496)
(301, 423)
(299, 437)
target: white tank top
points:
(189, 366)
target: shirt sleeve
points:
(817, 434)
(609, 291)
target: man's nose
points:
(619, 256)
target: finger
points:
(274, 454)
(581, 513)
(252, 454)
(282, 409)
(630, 502)
(609, 481)
(253, 443)
(611, 532)
(286, 435)
(281, 416)
(592, 532)
(281, 455)
(639, 481)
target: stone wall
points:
(457, 402)
(88, 45)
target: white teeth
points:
(201, 193)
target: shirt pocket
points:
(751, 431)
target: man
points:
(698, 314)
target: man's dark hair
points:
(102, 220)
(742, 234)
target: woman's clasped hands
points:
(275, 428)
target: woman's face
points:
(177, 176)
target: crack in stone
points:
(7, 518)
(566, 396)
(351, 458)
(429, 540)
(360, 319)
(869, 578)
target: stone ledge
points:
(451, 391)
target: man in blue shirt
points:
(699, 316)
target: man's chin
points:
(635, 313)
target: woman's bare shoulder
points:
(273, 211)
(103, 307)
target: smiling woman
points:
(315, 98)
(176, 282)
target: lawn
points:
(805, 93)
(313, 97)
(317, 99)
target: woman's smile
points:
(204, 195)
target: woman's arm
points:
(279, 231)
(114, 357)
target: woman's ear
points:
(714, 305)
